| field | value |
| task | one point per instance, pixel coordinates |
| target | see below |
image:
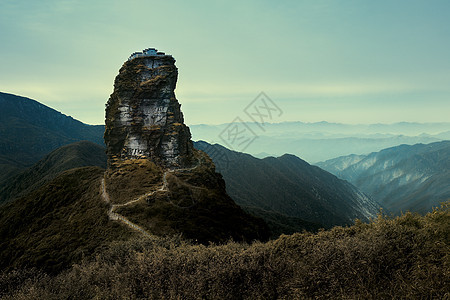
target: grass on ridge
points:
(402, 257)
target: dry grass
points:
(58, 224)
(132, 178)
(404, 257)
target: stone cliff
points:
(155, 179)
(143, 117)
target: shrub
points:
(403, 257)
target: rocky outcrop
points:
(143, 117)
(155, 178)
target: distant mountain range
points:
(290, 186)
(400, 178)
(26, 125)
(29, 130)
(286, 191)
(315, 142)
(289, 194)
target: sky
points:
(360, 61)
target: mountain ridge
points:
(155, 178)
(30, 130)
(54, 164)
(316, 142)
(291, 186)
(406, 177)
(75, 155)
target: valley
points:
(403, 178)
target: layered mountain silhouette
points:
(29, 130)
(158, 184)
(81, 154)
(75, 155)
(290, 186)
(402, 178)
(281, 218)
(276, 212)
(320, 141)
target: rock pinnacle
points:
(143, 116)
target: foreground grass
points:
(403, 257)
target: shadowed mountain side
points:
(67, 218)
(10, 167)
(400, 178)
(290, 186)
(85, 153)
(79, 154)
(70, 216)
(280, 223)
(190, 201)
(89, 154)
(57, 224)
(29, 130)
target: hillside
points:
(85, 153)
(70, 216)
(400, 178)
(401, 258)
(58, 224)
(290, 186)
(155, 182)
(30, 130)
(278, 217)
(79, 154)
(282, 224)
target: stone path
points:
(118, 217)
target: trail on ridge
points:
(118, 217)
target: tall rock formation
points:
(155, 179)
(143, 117)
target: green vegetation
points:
(75, 155)
(58, 224)
(10, 167)
(132, 178)
(67, 219)
(193, 202)
(404, 257)
(289, 186)
(281, 224)
(30, 130)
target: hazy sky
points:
(341, 61)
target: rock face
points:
(155, 177)
(143, 117)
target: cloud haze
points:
(341, 61)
